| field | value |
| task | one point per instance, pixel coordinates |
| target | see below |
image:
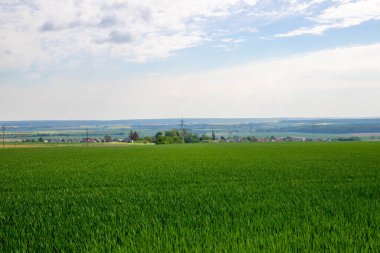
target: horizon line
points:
(194, 118)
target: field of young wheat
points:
(240, 197)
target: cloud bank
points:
(340, 82)
(43, 32)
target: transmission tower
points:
(182, 124)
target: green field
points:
(240, 197)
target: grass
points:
(238, 197)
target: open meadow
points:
(233, 197)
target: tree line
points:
(169, 137)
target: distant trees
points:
(172, 133)
(130, 135)
(191, 138)
(146, 139)
(107, 138)
(158, 134)
(205, 138)
(133, 136)
(213, 136)
(252, 139)
(349, 139)
(182, 136)
(169, 137)
(169, 140)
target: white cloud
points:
(343, 14)
(277, 9)
(43, 32)
(136, 30)
(338, 82)
(46, 32)
(297, 6)
(228, 44)
(249, 30)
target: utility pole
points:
(3, 128)
(87, 140)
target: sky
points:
(129, 59)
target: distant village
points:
(182, 136)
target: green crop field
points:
(238, 197)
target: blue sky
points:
(82, 59)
